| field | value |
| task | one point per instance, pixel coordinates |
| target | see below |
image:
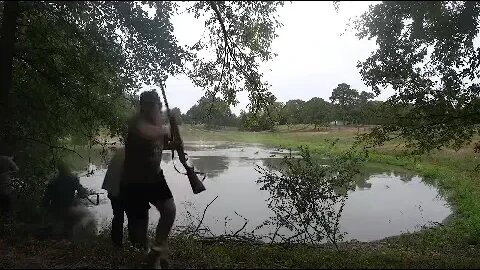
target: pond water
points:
(385, 202)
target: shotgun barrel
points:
(176, 143)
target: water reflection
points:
(272, 163)
(213, 166)
(379, 170)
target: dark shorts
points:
(138, 196)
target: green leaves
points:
(307, 193)
(78, 64)
(352, 106)
(240, 34)
(426, 54)
(212, 111)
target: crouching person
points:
(71, 221)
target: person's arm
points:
(82, 192)
(152, 132)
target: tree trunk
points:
(7, 46)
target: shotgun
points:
(176, 143)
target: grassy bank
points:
(454, 244)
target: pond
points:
(387, 201)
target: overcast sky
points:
(313, 56)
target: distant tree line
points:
(347, 106)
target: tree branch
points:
(225, 49)
(51, 146)
(203, 216)
(214, 6)
(243, 227)
(46, 76)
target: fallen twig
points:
(203, 216)
(244, 225)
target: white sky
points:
(313, 57)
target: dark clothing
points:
(139, 195)
(143, 181)
(118, 218)
(142, 156)
(5, 205)
(137, 228)
(61, 191)
(137, 231)
(61, 204)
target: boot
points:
(157, 257)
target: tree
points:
(317, 111)
(351, 106)
(71, 68)
(258, 121)
(293, 111)
(263, 119)
(211, 112)
(359, 112)
(277, 113)
(375, 112)
(345, 99)
(427, 56)
(177, 114)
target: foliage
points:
(426, 54)
(255, 122)
(307, 194)
(263, 119)
(177, 114)
(318, 112)
(214, 112)
(351, 105)
(293, 111)
(276, 112)
(240, 34)
(78, 65)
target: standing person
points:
(7, 166)
(144, 179)
(111, 184)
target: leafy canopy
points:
(78, 65)
(426, 54)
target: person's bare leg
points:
(167, 211)
(159, 252)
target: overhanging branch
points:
(51, 146)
